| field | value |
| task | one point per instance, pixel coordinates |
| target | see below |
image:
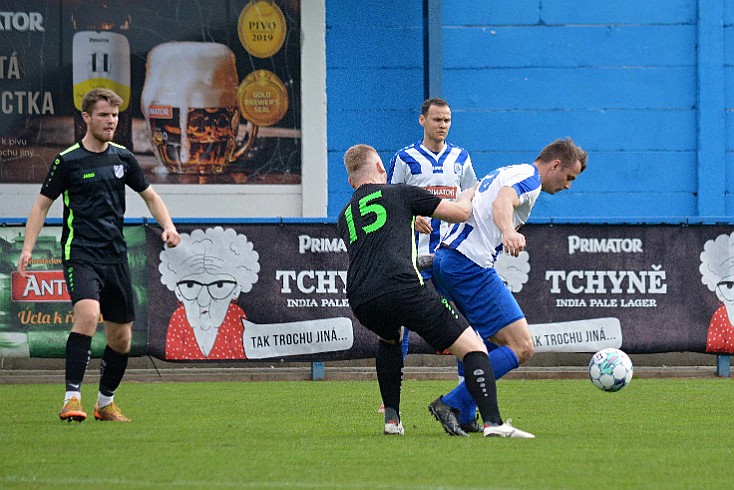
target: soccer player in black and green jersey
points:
(92, 175)
(386, 291)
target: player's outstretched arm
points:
(456, 211)
(158, 209)
(33, 227)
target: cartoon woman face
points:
(206, 298)
(717, 270)
(725, 293)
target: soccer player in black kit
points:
(92, 175)
(386, 291)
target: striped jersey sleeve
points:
(479, 238)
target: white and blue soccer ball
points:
(610, 369)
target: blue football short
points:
(478, 293)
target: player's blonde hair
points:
(356, 157)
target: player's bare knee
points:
(119, 336)
(124, 340)
(85, 324)
(119, 343)
(472, 344)
(86, 317)
(524, 351)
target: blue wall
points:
(374, 82)
(620, 77)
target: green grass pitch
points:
(655, 433)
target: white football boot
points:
(506, 430)
(394, 428)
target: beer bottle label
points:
(101, 59)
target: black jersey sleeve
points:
(53, 185)
(341, 227)
(136, 179)
(422, 202)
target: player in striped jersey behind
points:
(439, 167)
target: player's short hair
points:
(356, 156)
(433, 101)
(564, 150)
(95, 95)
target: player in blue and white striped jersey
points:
(436, 165)
(463, 265)
(441, 168)
(480, 238)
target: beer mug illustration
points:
(190, 108)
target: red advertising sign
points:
(39, 287)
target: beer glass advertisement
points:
(211, 89)
(36, 314)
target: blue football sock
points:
(406, 341)
(503, 360)
(460, 368)
(468, 413)
(459, 397)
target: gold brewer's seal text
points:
(262, 98)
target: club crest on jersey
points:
(457, 168)
(119, 171)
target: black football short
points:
(110, 284)
(420, 309)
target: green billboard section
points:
(36, 314)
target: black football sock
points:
(481, 384)
(111, 371)
(391, 414)
(389, 367)
(78, 352)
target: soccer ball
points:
(610, 369)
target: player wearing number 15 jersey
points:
(386, 291)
